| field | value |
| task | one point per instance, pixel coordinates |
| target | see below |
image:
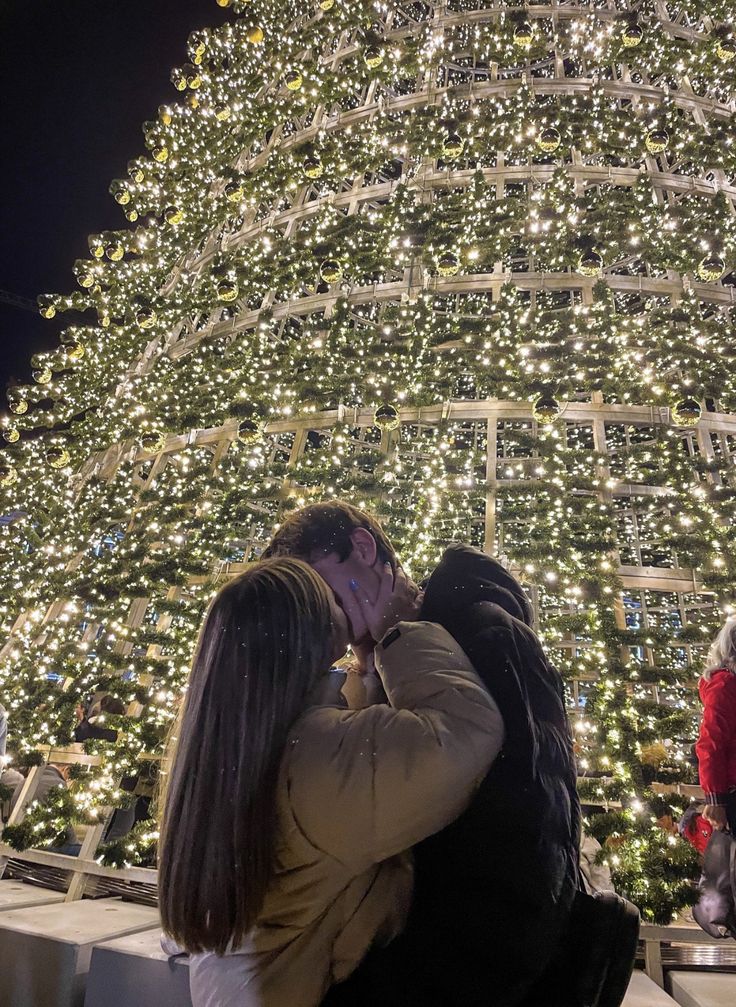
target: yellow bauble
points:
(46, 307)
(254, 35)
(74, 351)
(326, 4)
(123, 196)
(160, 153)
(136, 173)
(448, 264)
(330, 270)
(227, 291)
(234, 192)
(223, 3)
(632, 35)
(686, 413)
(11, 435)
(115, 251)
(57, 457)
(293, 80)
(546, 409)
(43, 376)
(96, 246)
(549, 139)
(372, 56)
(8, 474)
(222, 113)
(386, 417)
(711, 268)
(249, 431)
(590, 263)
(146, 318)
(131, 214)
(194, 81)
(726, 49)
(523, 35)
(193, 101)
(164, 114)
(173, 215)
(452, 145)
(313, 167)
(657, 140)
(18, 406)
(152, 440)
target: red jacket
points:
(716, 746)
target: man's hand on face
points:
(398, 601)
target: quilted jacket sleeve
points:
(716, 745)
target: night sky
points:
(77, 80)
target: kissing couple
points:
(415, 845)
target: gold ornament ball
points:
(136, 173)
(57, 457)
(193, 101)
(546, 409)
(234, 192)
(549, 139)
(74, 351)
(8, 474)
(160, 153)
(249, 431)
(223, 3)
(115, 251)
(173, 215)
(726, 49)
(152, 440)
(330, 270)
(222, 113)
(326, 4)
(164, 114)
(255, 35)
(293, 80)
(123, 196)
(43, 376)
(632, 35)
(227, 291)
(146, 318)
(448, 264)
(194, 81)
(711, 268)
(11, 435)
(657, 140)
(46, 308)
(686, 413)
(313, 167)
(131, 214)
(590, 263)
(372, 56)
(18, 406)
(96, 246)
(386, 417)
(523, 35)
(453, 145)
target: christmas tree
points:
(466, 265)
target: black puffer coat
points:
(493, 890)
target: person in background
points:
(91, 719)
(286, 815)
(10, 779)
(716, 744)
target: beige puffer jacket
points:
(358, 787)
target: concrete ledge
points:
(17, 895)
(703, 989)
(45, 951)
(643, 992)
(133, 971)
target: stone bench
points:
(133, 971)
(45, 951)
(17, 895)
(703, 989)
(644, 992)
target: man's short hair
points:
(326, 528)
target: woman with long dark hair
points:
(716, 745)
(286, 815)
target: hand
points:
(397, 601)
(715, 815)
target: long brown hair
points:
(265, 640)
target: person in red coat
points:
(716, 745)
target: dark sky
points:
(77, 80)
